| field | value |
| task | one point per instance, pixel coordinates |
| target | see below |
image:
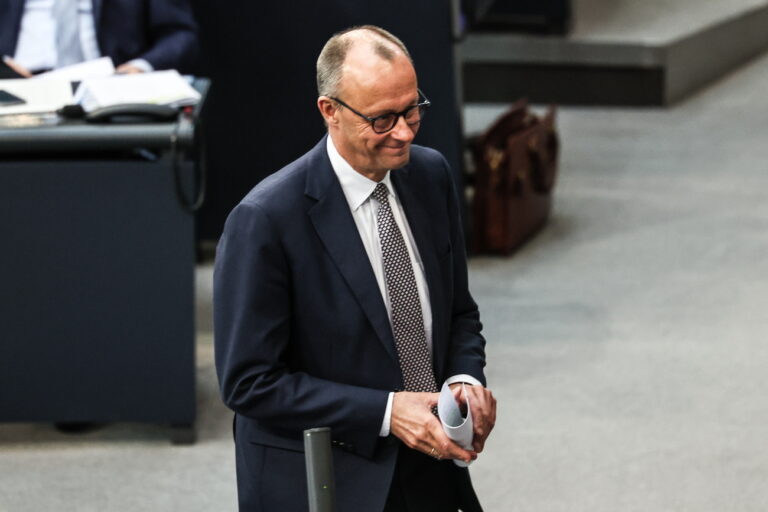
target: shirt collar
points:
(356, 187)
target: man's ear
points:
(328, 109)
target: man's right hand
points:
(415, 425)
(16, 67)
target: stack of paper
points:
(158, 88)
(41, 96)
(81, 71)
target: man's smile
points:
(396, 149)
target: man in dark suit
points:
(341, 300)
(138, 35)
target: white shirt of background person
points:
(36, 47)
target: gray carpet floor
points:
(626, 344)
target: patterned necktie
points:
(407, 319)
(67, 32)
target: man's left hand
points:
(483, 410)
(128, 69)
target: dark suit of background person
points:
(162, 32)
(303, 337)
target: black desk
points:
(97, 259)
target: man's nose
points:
(402, 131)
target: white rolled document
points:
(456, 426)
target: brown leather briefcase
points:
(515, 171)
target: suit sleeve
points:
(252, 324)
(466, 353)
(172, 33)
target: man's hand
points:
(128, 69)
(414, 424)
(18, 68)
(483, 410)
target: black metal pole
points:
(320, 483)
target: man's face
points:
(374, 86)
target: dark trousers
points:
(424, 484)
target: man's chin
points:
(398, 161)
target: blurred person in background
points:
(138, 35)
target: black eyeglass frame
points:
(422, 106)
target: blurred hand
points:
(128, 69)
(18, 68)
(414, 424)
(483, 406)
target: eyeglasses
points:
(385, 122)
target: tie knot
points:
(380, 193)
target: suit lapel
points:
(10, 25)
(418, 221)
(335, 226)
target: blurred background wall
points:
(261, 112)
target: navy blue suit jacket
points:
(302, 334)
(163, 32)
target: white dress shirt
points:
(357, 190)
(36, 45)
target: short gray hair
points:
(330, 63)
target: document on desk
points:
(158, 88)
(40, 96)
(457, 426)
(95, 68)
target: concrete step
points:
(624, 52)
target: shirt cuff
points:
(468, 379)
(142, 65)
(385, 424)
